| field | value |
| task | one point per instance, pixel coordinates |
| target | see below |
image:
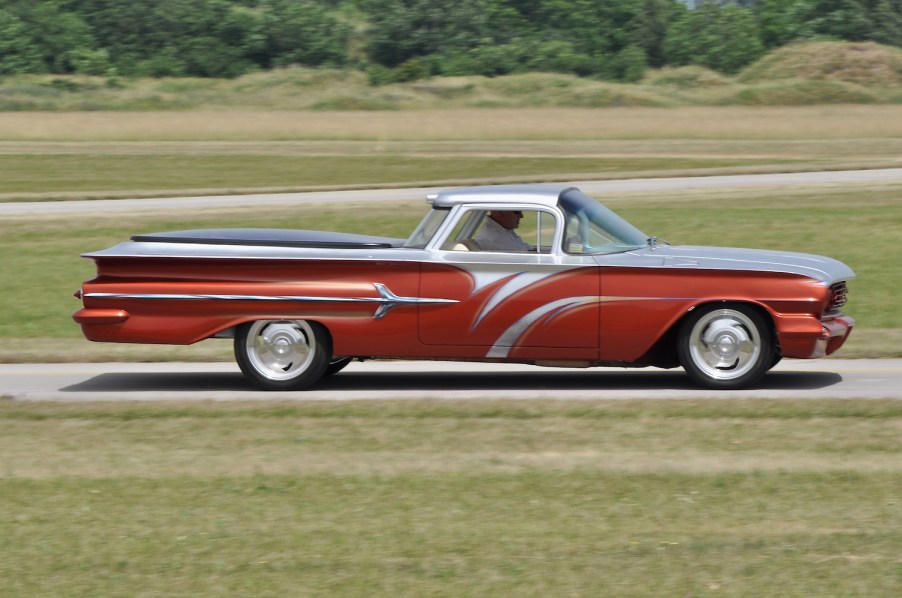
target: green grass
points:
(857, 224)
(112, 174)
(94, 155)
(472, 498)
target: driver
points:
(498, 232)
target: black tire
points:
(282, 354)
(726, 346)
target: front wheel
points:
(726, 347)
(337, 364)
(282, 354)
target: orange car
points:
(538, 274)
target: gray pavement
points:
(375, 380)
(605, 186)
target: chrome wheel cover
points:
(725, 344)
(280, 350)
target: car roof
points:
(543, 195)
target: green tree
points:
(887, 23)
(648, 29)
(596, 28)
(632, 64)
(122, 28)
(843, 19)
(558, 56)
(57, 34)
(17, 54)
(404, 29)
(721, 38)
(779, 22)
(303, 32)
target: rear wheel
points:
(726, 347)
(282, 354)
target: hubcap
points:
(725, 344)
(280, 350)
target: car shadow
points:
(628, 380)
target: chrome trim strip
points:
(387, 300)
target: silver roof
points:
(543, 195)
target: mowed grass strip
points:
(115, 154)
(86, 174)
(645, 498)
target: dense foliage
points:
(398, 40)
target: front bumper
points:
(834, 333)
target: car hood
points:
(820, 268)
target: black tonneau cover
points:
(271, 237)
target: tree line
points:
(399, 40)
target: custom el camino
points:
(586, 289)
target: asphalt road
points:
(374, 380)
(662, 184)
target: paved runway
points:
(374, 380)
(602, 186)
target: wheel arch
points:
(230, 330)
(663, 352)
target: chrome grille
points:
(838, 295)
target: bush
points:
(803, 93)
(488, 61)
(686, 77)
(559, 56)
(91, 62)
(632, 64)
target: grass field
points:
(112, 174)
(472, 498)
(91, 155)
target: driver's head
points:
(509, 219)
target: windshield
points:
(427, 227)
(592, 228)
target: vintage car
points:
(587, 289)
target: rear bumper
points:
(88, 316)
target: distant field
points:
(858, 224)
(725, 123)
(90, 155)
(471, 498)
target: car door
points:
(541, 304)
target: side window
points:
(427, 227)
(461, 237)
(537, 229)
(478, 230)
